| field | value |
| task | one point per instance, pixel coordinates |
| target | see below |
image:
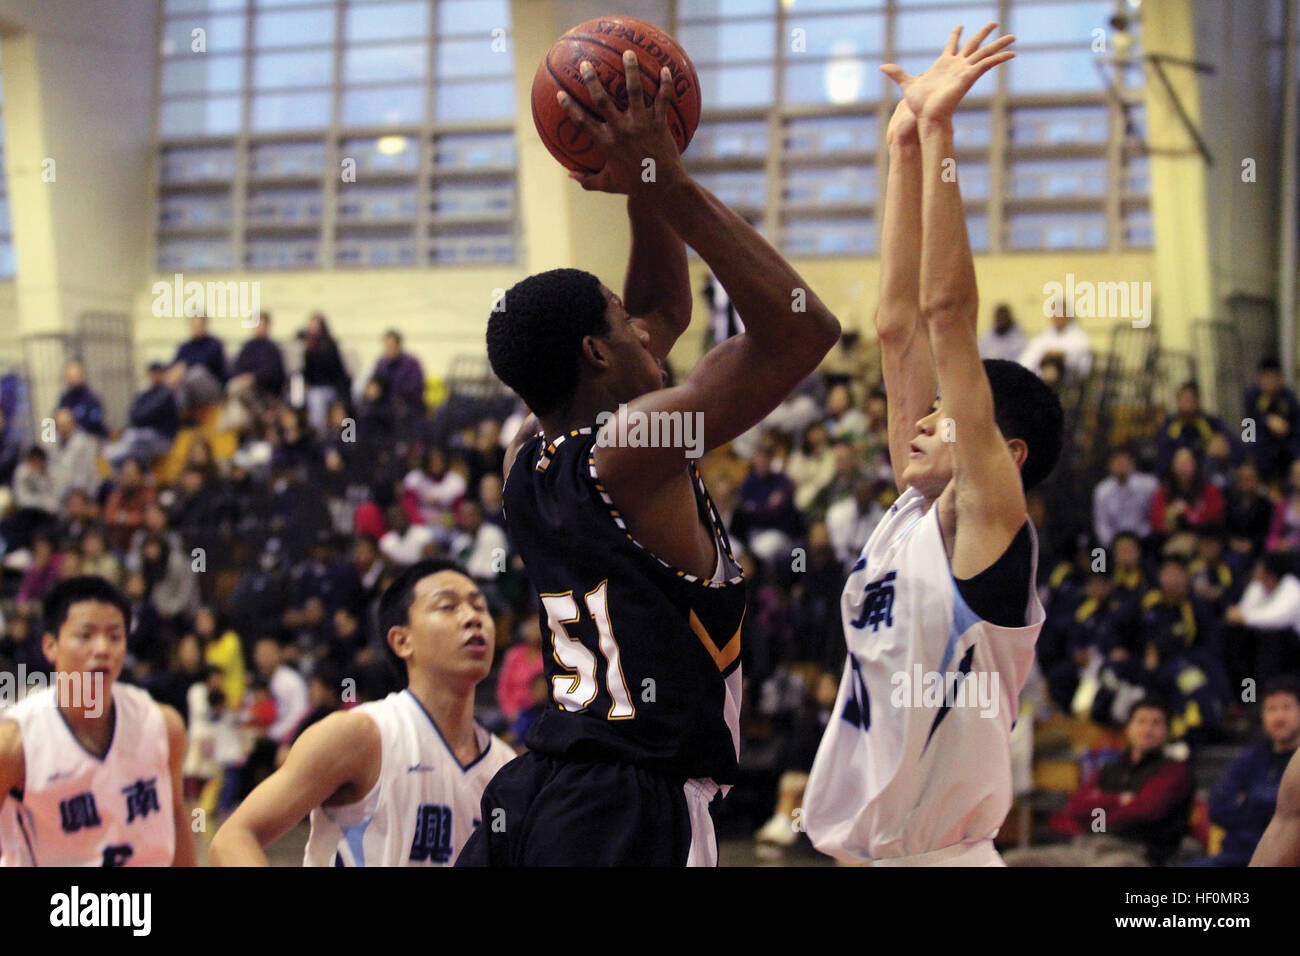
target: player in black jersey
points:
(639, 590)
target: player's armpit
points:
(1280, 844)
(527, 430)
(343, 750)
(13, 766)
(185, 854)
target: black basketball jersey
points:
(643, 659)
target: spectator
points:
(96, 559)
(767, 520)
(74, 462)
(523, 662)
(1188, 427)
(1214, 577)
(486, 455)
(1142, 802)
(1248, 512)
(261, 361)
(124, 510)
(1063, 339)
(154, 422)
(324, 375)
(1245, 797)
(1221, 459)
(324, 697)
(223, 650)
(1274, 410)
(812, 467)
(490, 499)
(846, 422)
(1122, 501)
(1270, 607)
(478, 546)
(1185, 501)
(11, 448)
(41, 575)
(1005, 340)
(850, 521)
(401, 377)
(289, 702)
(36, 501)
(436, 489)
(198, 372)
(78, 398)
(1284, 530)
(405, 543)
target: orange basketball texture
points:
(602, 41)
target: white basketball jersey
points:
(917, 755)
(79, 810)
(423, 807)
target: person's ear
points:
(49, 644)
(595, 351)
(1019, 451)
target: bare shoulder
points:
(346, 731)
(173, 720)
(13, 766)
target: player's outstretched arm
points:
(13, 767)
(904, 339)
(1280, 844)
(787, 328)
(185, 854)
(340, 755)
(657, 290)
(989, 495)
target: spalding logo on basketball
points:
(602, 42)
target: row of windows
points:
(1073, 172)
(375, 215)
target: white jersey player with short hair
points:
(916, 757)
(75, 809)
(423, 807)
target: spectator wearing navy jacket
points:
(1245, 797)
(86, 407)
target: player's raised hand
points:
(936, 92)
(902, 125)
(640, 152)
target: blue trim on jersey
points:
(355, 837)
(464, 767)
(963, 619)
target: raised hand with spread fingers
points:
(936, 92)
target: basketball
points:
(602, 42)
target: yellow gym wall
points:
(89, 243)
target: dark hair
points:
(534, 335)
(1277, 564)
(1151, 702)
(1025, 407)
(1281, 684)
(1270, 364)
(395, 603)
(1190, 385)
(86, 587)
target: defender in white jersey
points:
(90, 769)
(395, 782)
(940, 611)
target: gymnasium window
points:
(303, 134)
(1050, 148)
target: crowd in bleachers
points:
(253, 534)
